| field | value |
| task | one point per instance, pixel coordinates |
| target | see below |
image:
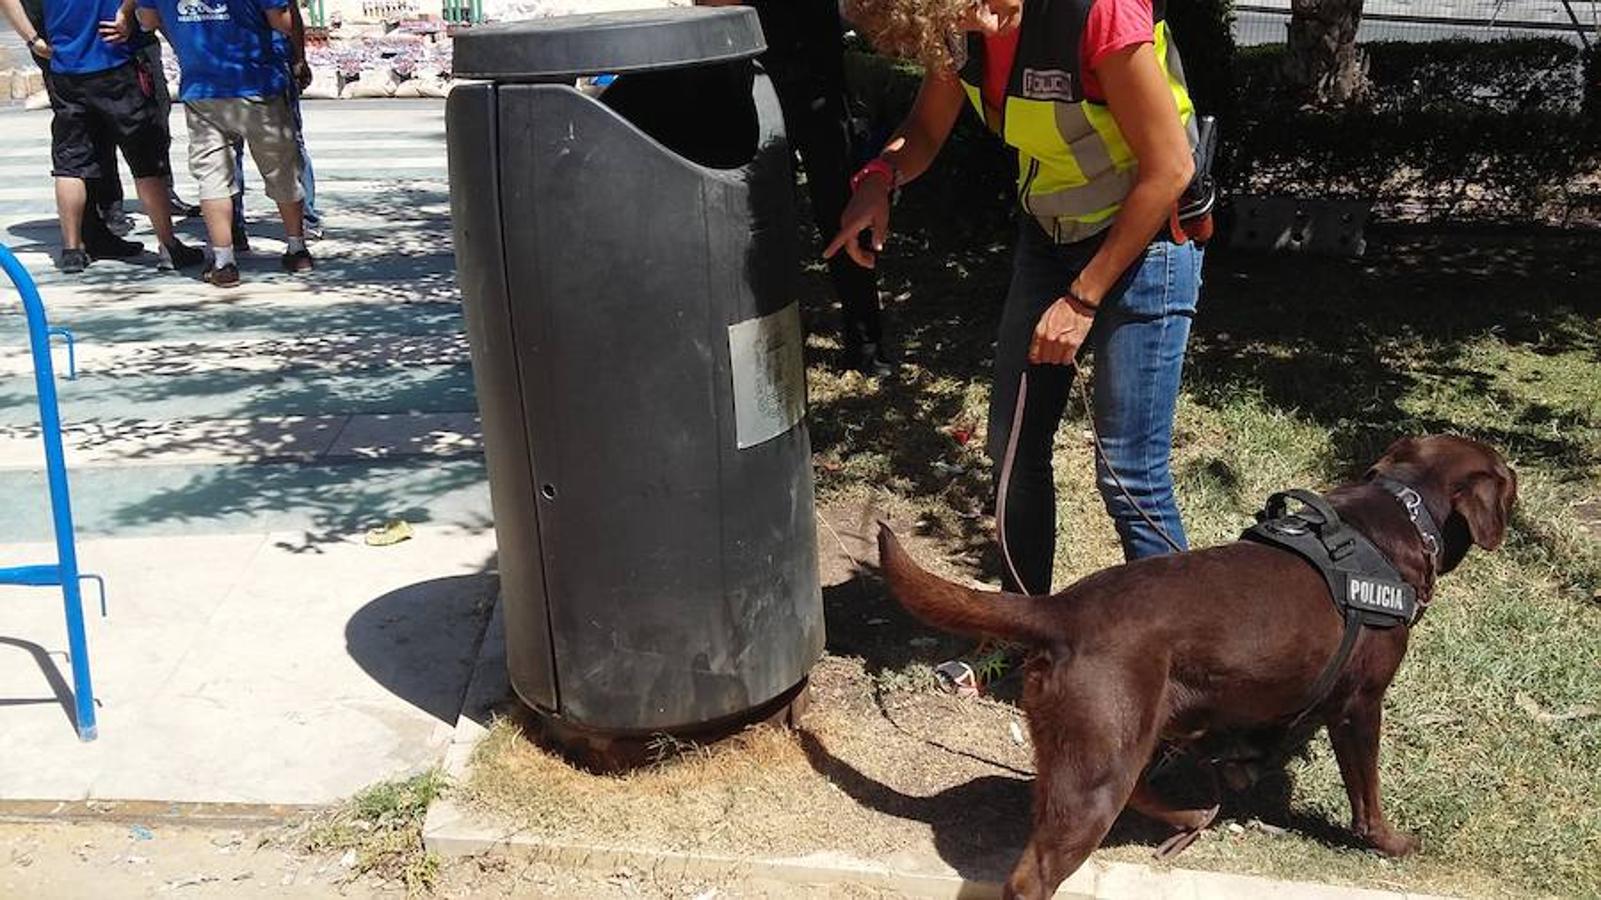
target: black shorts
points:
(101, 110)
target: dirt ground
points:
(886, 769)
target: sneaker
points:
(117, 221)
(74, 261)
(181, 209)
(299, 261)
(109, 246)
(971, 675)
(182, 256)
(314, 231)
(223, 277)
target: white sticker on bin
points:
(769, 372)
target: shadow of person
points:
(979, 826)
(52, 676)
(421, 641)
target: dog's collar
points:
(1418, 512)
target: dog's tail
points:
(963, 610)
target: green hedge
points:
(1502, 76)
(1592, 87)
(1204, 32)
(1490, 129)
(1486, 129)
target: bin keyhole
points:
(549, 491)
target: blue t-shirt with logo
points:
(74, 29)
(225, 47)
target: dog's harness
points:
(1366, 587)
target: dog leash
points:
(1010, 457)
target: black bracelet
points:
(1073, 297)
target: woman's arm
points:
(913, 147)
(910, 152)
(1138, 96)
(1141, 102)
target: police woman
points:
(1092, 96)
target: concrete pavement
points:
(228, 452)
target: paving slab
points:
(136, 442)
(302, 352)
(143, 314)
(234, 394)
(245, 668)
(318, 502)
(411, 434)
(271, 439)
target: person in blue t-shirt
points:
(299, 79)
(98, 99)
(235, 88)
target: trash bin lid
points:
(566, 47)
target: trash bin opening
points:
(706, 114)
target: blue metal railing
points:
(64, 573)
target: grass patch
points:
(380, 831)
(1301, 371)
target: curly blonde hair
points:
(910, 29)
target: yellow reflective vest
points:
(1074, 166)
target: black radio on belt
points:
(1200, 197)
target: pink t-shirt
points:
(1113, 25)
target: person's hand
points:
(867, 211)
(118, 30)
(41, 48)
(1060, 333)
(303, 74)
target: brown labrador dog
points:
(1229, 639)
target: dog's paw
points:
(1393, 843)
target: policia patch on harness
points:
(1360, 578)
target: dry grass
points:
(761, 793)
(908, 777)
(381, 828)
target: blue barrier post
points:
(65, 572)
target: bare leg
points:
(1356, 748)
(294, 216)
(153, 194)
(218, 215)
(72, 195)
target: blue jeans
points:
(308, 180)
(1138, 343)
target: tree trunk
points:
(1324, 63)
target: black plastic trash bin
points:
(627, 262)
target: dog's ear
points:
(1484, 500)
